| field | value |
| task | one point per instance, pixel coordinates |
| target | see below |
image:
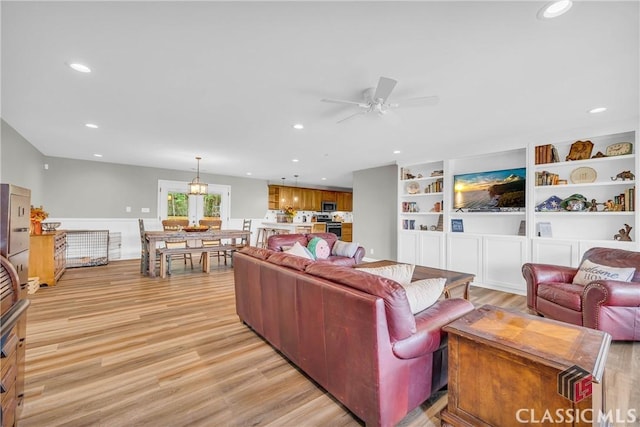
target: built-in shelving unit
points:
(574, 232)
(494, 244)
(421, 190)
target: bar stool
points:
(260, 237)
(265, 232)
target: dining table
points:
(152, 238)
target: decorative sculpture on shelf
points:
(624, 175)
(624, 234)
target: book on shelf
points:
(434, 187)
(626, 199)
(546, 178)
(546, 154)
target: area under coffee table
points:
(455, 279)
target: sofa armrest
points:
(429, 324)
(607, 293)
(544, 273)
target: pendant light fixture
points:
(195, 186)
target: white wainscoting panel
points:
(503, 259)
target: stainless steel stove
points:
(334, 227)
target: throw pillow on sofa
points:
(344, 249)
(401, 273)
(319, 248)
(424, 293)
(298, 250)
(590, 271)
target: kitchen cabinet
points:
(311, 199)
(347, 232)
(307, 199)
(329, 196)
(344, 201)
(318, 227)
(47, 257)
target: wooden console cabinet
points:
(47, 256)
(504, 369)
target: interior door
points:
(174, 202)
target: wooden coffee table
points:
(455, 279)
(508, 368)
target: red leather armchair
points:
(607, 305)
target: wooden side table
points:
(505, 368)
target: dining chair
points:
(176, 225)
(245, 241)
(144, 252)
(213, 224)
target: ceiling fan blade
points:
(415, 102)
(385, 86)
(341, 101)
(352, 116)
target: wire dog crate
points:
(87, 248)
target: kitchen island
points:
(296, 227)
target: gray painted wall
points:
(21, 163)
(86, 189)
(375, 213)
(90, 189)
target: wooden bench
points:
(166, 253)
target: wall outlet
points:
(145, 210)
(127, 209)
(371, 251)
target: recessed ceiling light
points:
(249, 173)
(91, 125)
(97, 155)
(298, 126)
(295, 160)
(324, 179)
(554, 9)
(598, 110)
(80, 67)
(396, 151)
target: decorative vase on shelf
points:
(36, 227)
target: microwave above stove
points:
(329, 207)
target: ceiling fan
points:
(375, 100)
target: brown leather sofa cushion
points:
(288, 260)
(564, 294)
(255, 252)
(402, 323)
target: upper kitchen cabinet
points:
(280, 196)
(329, 196)
(345, 201)
(311, 199)
(307, 199)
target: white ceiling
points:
(227, 80)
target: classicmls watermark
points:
(568, 415)
(575, 384)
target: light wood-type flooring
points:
(109, 347)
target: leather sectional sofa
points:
(350, 331)
(280, 241)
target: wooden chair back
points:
(174, 224)
(213, 224)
